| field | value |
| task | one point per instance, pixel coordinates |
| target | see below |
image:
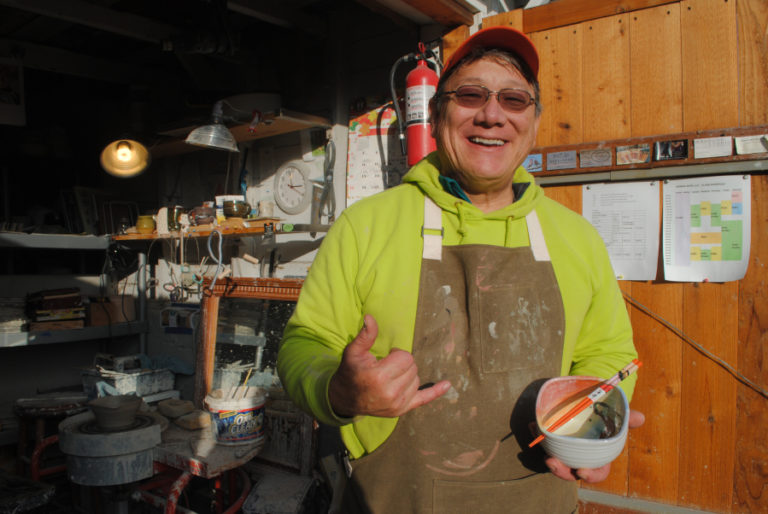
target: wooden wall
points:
(641, 68)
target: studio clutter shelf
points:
(10, 339)
(60, 242)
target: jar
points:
(174, 214)
(145, 224)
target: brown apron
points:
(490, 320)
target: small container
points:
(237, 421)
(174, 213)
(202, 214)
(236, 209)
(145, 224)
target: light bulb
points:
(124, 158)
(124, 151)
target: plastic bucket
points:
(237, 421)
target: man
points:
(471, 288)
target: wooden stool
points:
(36, 414)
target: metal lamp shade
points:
(215, 135)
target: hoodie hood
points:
(425, 175)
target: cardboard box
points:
(111, 310)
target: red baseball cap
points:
(504, 38)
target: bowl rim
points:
(621, 434)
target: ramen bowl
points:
(236, 209)
(592, 438)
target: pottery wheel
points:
(97, 458)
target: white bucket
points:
(237, 421)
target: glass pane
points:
(247, 339)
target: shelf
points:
(649, 164)
(256, 227)
(10, 339)
(281, 121)
(62, 241)
(263, 288)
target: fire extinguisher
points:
(421, 84)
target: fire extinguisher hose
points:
(396, 104)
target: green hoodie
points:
(370, 263)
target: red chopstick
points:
(594, 396)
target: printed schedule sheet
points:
(706, 229)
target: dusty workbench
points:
(198, 452)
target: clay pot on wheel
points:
(115, 412)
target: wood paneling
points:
(560, 76)
(710, 71)
(571, 12)
(654, 447)
(656, 71)
(512, 19)
(453, 39)
(606, 91)
(692, 65)
(570, 196)
(708, 394)
(753, 61)
(750, 488)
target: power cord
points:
(217, 258)
(717, 360)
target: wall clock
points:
(293, 189)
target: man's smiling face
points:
(482, 147)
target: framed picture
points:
(671, 150)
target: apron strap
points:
(432, 230)
(535, 234)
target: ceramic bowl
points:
(579, 450)
(236, 209)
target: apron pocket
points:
(514, 328)
(535, 493)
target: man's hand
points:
(590, 476)
(388, 387)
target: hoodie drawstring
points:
(462, 230)
(508, 234)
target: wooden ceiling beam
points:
(97, 17)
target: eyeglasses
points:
(474, 97)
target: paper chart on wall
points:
(707, 227)
(375, 161)
(626, 215)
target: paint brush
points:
(590, 399)
(243, 389)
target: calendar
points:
(375, 160)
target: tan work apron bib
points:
(490, 320)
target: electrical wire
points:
(395, 103)
(717, 360)
(216, 258)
